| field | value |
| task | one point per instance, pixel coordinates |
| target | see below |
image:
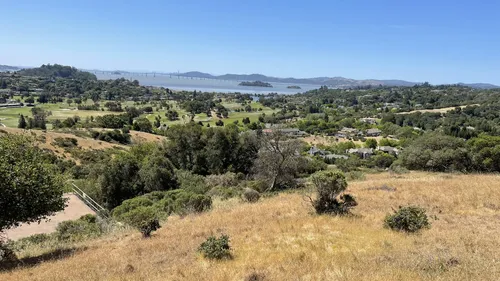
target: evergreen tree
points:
(22, 122)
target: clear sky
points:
(439, 41)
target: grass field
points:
(279, 238)
(233, 115)
(437, 110)
(10, 116)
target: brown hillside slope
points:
(281, 239)
(46, 140)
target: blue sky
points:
(439, 41)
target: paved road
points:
(75, 209)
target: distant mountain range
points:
(336, 82)
(5, 68)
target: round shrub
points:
(331, 199)
(216, 248)
(132, 204)
(83, 228)
(224, 192)
(188, 202)
(7, 256)
(250, 195)
(144, 219)
(407, 219)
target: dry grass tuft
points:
(279, 238)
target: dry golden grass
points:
(436, 110)
(281, 239)
(46, 140)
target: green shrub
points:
(191, 182)
(36, 238)
(78, 230)
(250, 195)
(165, 203)
(398, 170)
(331, 199)
(65, 142)
(257, 185)
(216, 248)
(144, 219)
(41, 240)
(132, 204)
(7, 256)
(308, 166)
(355, 176)
(192, 203)
(408, 219)
(224, 192)
(225, 180)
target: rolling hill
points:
(337, 82)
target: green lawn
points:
(10, 116)
(233, 115)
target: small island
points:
(294, 87)
(256, 84)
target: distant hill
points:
(336, 82)
(5, 68)
(57, 70)
(480, 85)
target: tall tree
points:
(30, 187)
(22, 122)
(278, 160)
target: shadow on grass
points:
(58, 254)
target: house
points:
(347, 133)
(327, 155)
(335, 156)
(363, 153)
(389, 149)
(373, 132)
(313, 151)
(371, 121)
(291, 132)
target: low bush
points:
(250, 195)
(355, 176)
(216, 248)
(258, 185)
(407, 219)
(78, 230)
(65, 142)
(131, 204)
(40, 240)
(165, 203)
(225, 180)
(7, 256)
(224, 193)
(398, 170)
(112, 136)
(144, 219)
(191, 182)
(331, 199)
